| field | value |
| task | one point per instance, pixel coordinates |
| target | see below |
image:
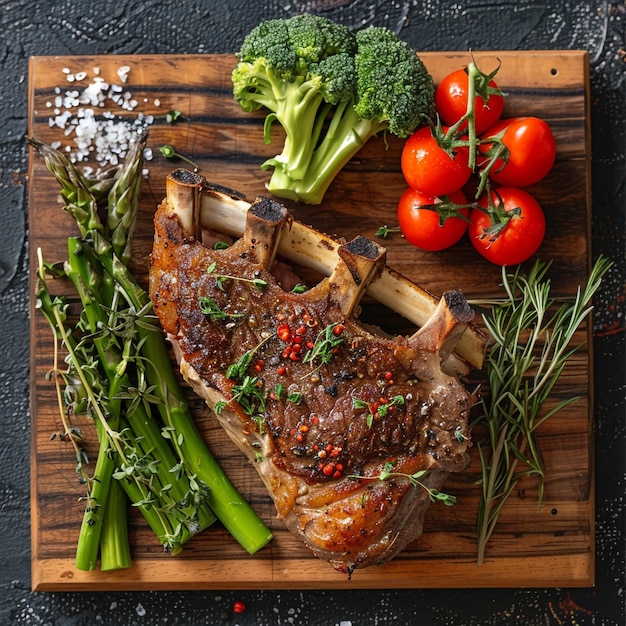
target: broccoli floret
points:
(296, 68)
(331, 90)
(393, 85)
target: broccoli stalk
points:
(331, 90)
(344, 136)
(300, 105)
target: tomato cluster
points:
(472, 143)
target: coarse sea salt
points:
(96, 119)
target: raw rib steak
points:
(320, 404)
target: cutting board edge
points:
(576, 571)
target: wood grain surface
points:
(551, 546)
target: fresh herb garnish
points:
(532, 345)
(250, 395)
(378, 409)
(384, 231)
(249, 392)
(388, 473)
(210, 307)
(169, 152)
(237, 370)
(173, 116)
(259, 283)
(325, 346)
(295, 397)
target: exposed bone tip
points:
(182, 176)
(268, 210)
(458, 306)
(364, 247)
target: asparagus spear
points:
(114, 544)
(99, 272)
(143, 451)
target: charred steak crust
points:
(318, 403)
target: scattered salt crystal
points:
(80, 75)
(123, 72)
(157, 102)
(66, 70)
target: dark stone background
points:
(156, 26)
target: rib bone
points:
(225, 210)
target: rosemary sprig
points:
(532, 337)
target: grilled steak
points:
(334, 416)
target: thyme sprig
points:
(238, 369)
(210, 307)
(259, 283)
(325, 346)
(532, 337)
(249, 391)
(388, 473)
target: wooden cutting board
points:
(532, 547)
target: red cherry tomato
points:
(451, 99)
(521, 235)
(421, 226)
(429, 168)
(532, 151)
